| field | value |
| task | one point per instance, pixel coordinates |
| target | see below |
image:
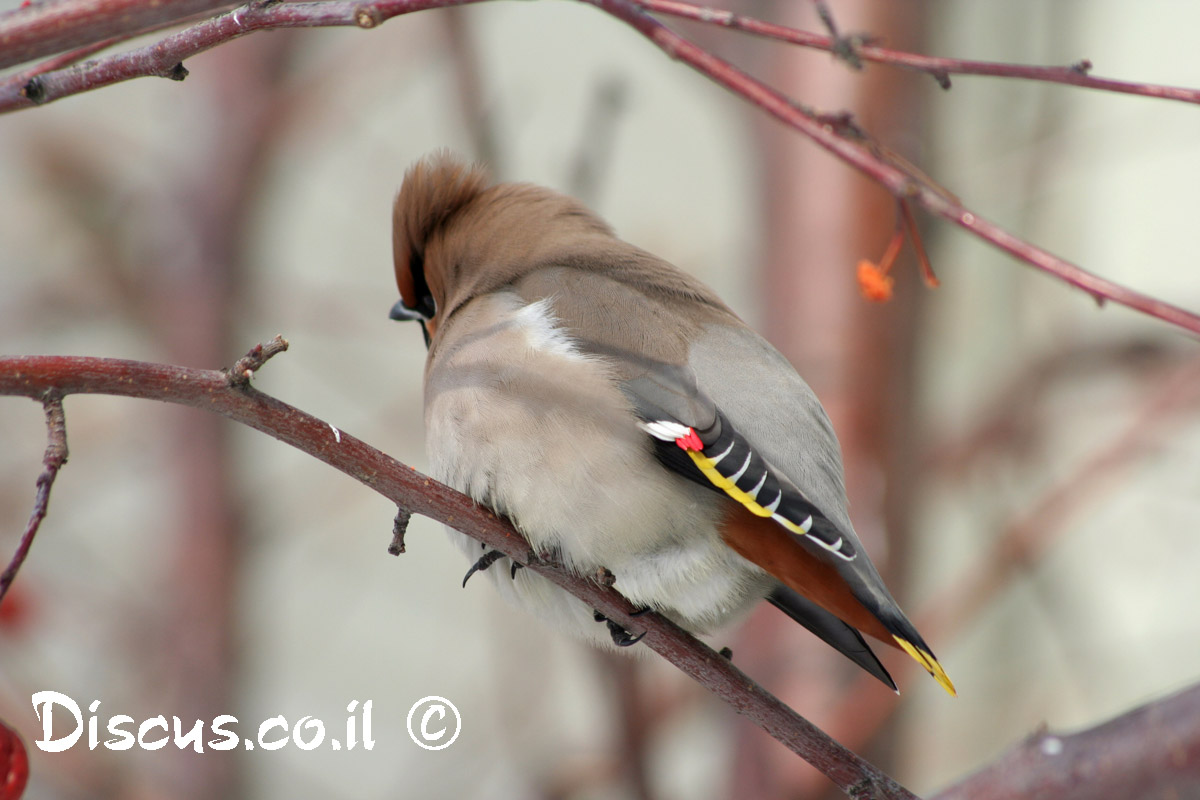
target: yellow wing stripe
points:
(705, 465)
(709, 469)
(931, 665)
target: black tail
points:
(835, 633)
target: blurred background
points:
(1023, 465)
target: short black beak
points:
(403, 313)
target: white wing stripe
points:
(717, 459)
(736, 477)
(664, 430)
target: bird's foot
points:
(620, 636)
(485, 561)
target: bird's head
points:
(454, 237)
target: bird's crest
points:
(435, 189)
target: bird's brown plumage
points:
(478, 238)
(772, 548)
(521, 288)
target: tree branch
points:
(889, 173)
(164, 59)
(841, 138)
(52, 461)
(1152, 751)
(41, 29)
(224, 394)
(939, 68)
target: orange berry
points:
(873, 283)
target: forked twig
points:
(53, 460)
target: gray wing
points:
(669, 401)
(771, 405)
(684, 360)
(778, 414)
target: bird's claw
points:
(620, 636)
(485, 561)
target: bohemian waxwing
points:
(621, 416)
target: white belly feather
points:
(523, 422)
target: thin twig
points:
(940, 68)
(843, 47)
(64, 60)
(892, 177)
(914, 236)
(245, 367)
(45, 28)
(210, 390)
(165, 59)
(70, 57)
(399, 528)
(52, 461)
(36, 30)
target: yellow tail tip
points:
(931, 665)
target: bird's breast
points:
(518, 417)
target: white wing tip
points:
(665, 430)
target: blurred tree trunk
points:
(194, 297)
(819, 219)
